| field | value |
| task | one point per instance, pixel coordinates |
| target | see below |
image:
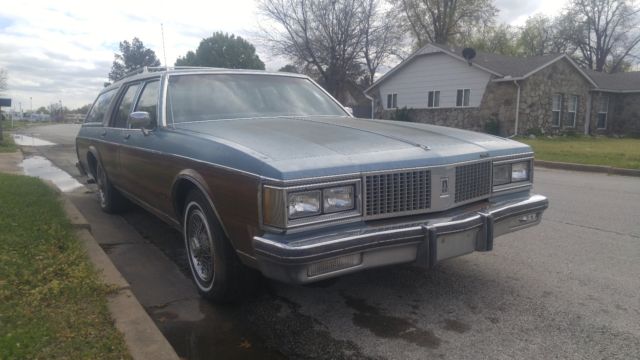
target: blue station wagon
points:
(266, 171)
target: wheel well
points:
(182, 189)
(93, 163)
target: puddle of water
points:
(25, 140)
(38, 166)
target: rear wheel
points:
(215, 267)
(110, 199)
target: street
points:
(568, 288)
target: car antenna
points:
(164, 51)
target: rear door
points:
(93, 132)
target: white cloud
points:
(516, 12)
(62, 50)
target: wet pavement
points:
(40, 167)
(568, 288)
(25, 140)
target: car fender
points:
(198, 180)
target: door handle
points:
(104, 133)
(127, 136)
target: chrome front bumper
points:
(426, 240)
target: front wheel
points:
(214, 265)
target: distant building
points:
(549, 94)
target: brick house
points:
(550, 94)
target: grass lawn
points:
(52, 304)
(621, 153)
(7, 144)
(21, 124)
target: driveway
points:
(568, 288)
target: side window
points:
(148, 100)
(124, 109)
(100, 107)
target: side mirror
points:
(140, 120)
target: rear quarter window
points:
(100, 107)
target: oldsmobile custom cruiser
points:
(266, 171)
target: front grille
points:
(473, 181)
(399, 192)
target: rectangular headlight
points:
(338, 199)
(304, 204)
(520, 171)
(501, 174)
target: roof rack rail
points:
(148, 69)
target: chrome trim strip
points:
(258, 118)
(177, 156)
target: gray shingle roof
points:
(516, 66)
(628, 81)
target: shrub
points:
(492, 127)
(401, 114)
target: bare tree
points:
(325, 36)
(604, 32)
(499, 39)
(542, 35)
(443, 21)
(382, 36)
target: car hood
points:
(320, 146)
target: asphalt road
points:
(568, 288)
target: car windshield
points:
(198, 97)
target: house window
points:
(392, 101)
(556, 110)
(572, 111)
(462, 99)
(603, 109)
(434, 99)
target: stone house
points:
(547, 94)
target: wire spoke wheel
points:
(101, 182)
(200, 246)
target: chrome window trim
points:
(231, 72)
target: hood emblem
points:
(444, 182)
(484, 155)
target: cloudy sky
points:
(62, 50)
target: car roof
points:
(149, 72)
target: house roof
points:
(514, 66)
(618, 82)
(505, 68)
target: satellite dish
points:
(469, 54)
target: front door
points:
(115, 131)
(140, 160)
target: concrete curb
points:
(143, 338)
(590, 168)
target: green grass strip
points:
(620, 153)
(52, 304)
